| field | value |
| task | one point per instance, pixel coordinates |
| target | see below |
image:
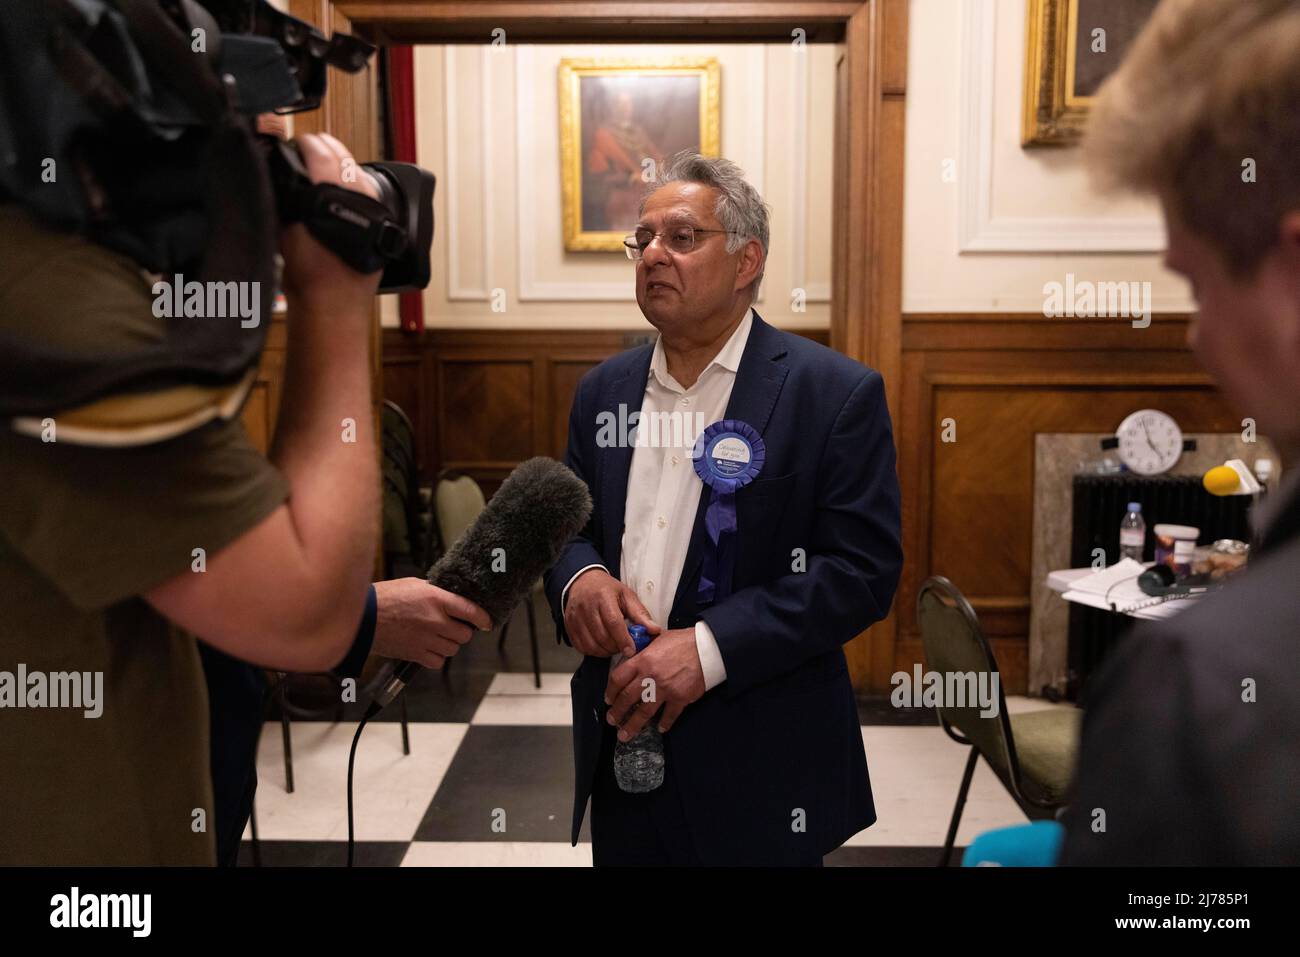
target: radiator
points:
(1100, 502)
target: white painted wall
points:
(488, 126)
(1010, 220)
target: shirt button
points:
(650, 586)
(675, 460)
(662, 523)
(686, 401)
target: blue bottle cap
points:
(640, 637)
(1135, 506)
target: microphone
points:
(1231, 478)
(538, 510)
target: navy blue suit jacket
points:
(770, 762)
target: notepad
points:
(1116, 589)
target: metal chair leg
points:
(961, 803)
(505, 628)
(284, 734)
(532, 637)
(257, 844)
(406, 735)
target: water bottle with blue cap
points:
(639, 763)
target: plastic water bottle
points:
(639, 763)
(1132, 533)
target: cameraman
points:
(100, 562)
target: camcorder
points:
(133, 122)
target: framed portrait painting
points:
(1072, 47)
(618, 118)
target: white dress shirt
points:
(663, 490)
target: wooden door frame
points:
(867, 269)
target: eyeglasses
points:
(678, 239)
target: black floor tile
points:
(323, 853)
(525, 772)
(878, 710)
(439, 696)
(430, 696)
(888, 856)
(482, 653)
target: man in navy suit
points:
(764, 762)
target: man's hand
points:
(595, 613)
(419, 622)
(671, 664)
(314, 278)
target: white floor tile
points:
(392, 791)
(513, 700)
(524, 710)
(915, 774)
(1018, 704)
(513, 683)
(497, 854)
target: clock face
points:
(1150, 442)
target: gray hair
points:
(740, 209)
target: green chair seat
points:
(1046, 743)
(1031, 753)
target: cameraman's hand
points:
(418, 622)
(595, 611)
(314, 278)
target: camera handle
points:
(359, 230)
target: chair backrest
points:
(403, 512)
(398, 434)
(955, 645)
(457, 501)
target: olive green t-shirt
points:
(84, 532)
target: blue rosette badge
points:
(728, 456)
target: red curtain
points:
(401, 123)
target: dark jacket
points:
(771, 761)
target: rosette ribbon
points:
(728, 456)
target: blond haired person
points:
(1191, 742)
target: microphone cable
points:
(374, 709)
(1113, 585)
(535, 513)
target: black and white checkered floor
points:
(489, 777)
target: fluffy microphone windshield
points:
(520, 534)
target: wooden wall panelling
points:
(968, 505)
(485, 408)
(482, 401)
(405, 381)
(867, 268)
(263, 405)
(603, 21)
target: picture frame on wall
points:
(619, 118)
(1072, 47)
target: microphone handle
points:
(400, 675)
(403, 672)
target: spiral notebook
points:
(1116, 589)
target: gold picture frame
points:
(627, 120)
(1058, 94)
